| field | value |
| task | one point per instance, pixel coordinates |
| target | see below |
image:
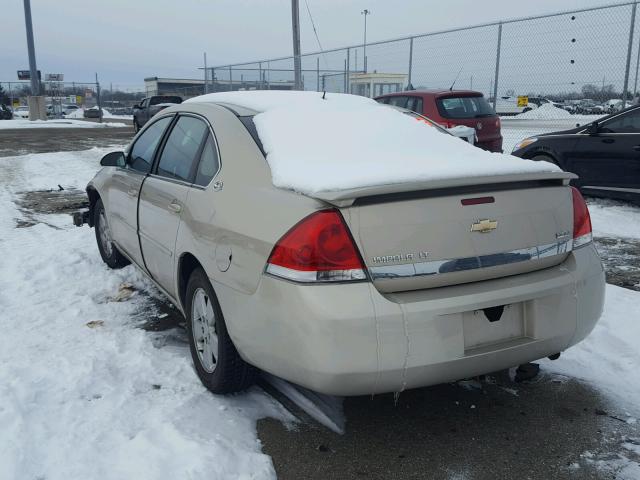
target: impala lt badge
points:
(484, 226)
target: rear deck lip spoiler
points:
(346, 197)
(435, 267)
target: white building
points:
(375, 84)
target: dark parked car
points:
(93, 112)
(605, 154)
(450, 108)
(149, 106)
(5, 113)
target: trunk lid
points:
(436, 238)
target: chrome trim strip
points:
(438, 267)
(314, 276)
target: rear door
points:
(122, 205)
(163, 197)
(609, 160)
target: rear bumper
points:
(352, 340)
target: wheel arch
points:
(544, 153)
(187, 263)
(94, 196)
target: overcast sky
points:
(127, 40)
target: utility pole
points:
(36, 103)
(206, 75)
(295, 23)
(365, 12)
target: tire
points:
(108, 251)
(218, 365)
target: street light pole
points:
(35, 88)
(365, 12)
(36, 104)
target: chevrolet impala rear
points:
(351, 263)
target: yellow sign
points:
(78, 100)
(523, 101)
(16, 103)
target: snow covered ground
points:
(86, 393)
(62, 123)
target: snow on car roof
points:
(346, 141)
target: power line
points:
(315, 31)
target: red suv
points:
(450, 108)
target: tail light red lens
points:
(498, 122)
(318, 249)
(581, 220)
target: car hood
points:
(564, 132)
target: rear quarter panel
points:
(231, 232)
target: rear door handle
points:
(175, 207)
(132, 192)
(608, 140)
(636, 148)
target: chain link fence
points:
(571, 66)
(70, 99)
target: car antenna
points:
(456, 79)
(323, 94)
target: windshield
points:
(464, 107)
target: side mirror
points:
(113, 159)
(593, 128)
(136, 107)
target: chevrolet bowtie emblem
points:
(484, 226)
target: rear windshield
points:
(165, 99)
(464, 107)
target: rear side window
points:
(165, 99)
(144, 149)
(414, 104)
(399, 101)
(464, 107)
(209, 163)
(626, 123)
(181, 151)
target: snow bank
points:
(79, 113)
(346, 141)
(546, 111)
(609, 358)
(110, 402)
(66, 123)
(612, 219)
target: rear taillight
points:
(447, 125)
(581, 220)
(317, 249)
(498, 122)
